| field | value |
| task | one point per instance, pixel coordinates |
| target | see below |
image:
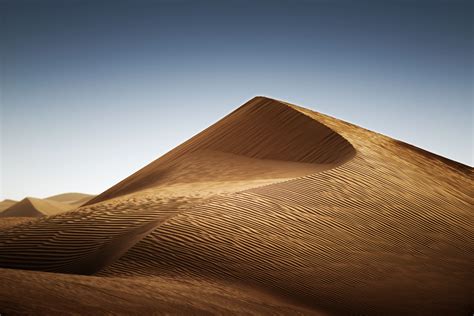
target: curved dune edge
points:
(385, 231)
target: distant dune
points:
(275, 209)
(73, 198)
(6, 204)
(34, 207)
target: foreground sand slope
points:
(297, 205)
(41, 293)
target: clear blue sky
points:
(91, 91)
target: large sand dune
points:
(299, 207)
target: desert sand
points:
(275, 209)
(34, 207)
(73, 198)
(6, 204)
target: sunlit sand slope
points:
(292, 203)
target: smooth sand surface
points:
(72, 198)
(32, 207)
(273, 209)
(6, 204)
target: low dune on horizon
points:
(36, 207)
(72, 198)
(274, 209)
(6, 204)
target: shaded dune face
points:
(291, 202)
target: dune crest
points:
(261, 128)
(72, 198)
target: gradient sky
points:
(91, 91)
